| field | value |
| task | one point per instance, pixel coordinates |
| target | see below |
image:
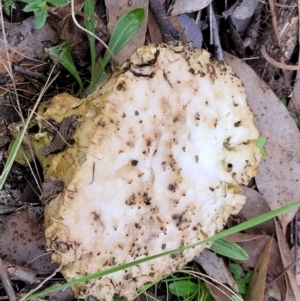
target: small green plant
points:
(188, 288)
(260, 142)
(242, 279)
(8, 5)
(40, 7)
(229, 249)
(125, 29)
(292, 114)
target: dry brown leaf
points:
(22, 242)
(256, 288)
(255, 206)
(220, 293)
(179, 7)
(253, 245)
(115, 10)
(26, 41)
(254, 248)
(287, 260)
(215, 267)
(279, 175)
(153, 29)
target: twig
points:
(28, 72)
(277, 39)
(285, 270)
(215, 34)
(168, 32)
(295, 94)
(6, 283)
(275, 63)
(41, 284)
(274, 21)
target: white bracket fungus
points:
(158, 156)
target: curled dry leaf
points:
(256, 289)
(279, 175)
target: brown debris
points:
(65, 133)
(50, 190)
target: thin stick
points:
(6, 283)
(41, 284)
(277, 39)
(215, 35)
(275, 63)
(211, 37)
(168, 32)
(28, 72)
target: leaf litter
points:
(277, 182)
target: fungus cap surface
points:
(156, 164)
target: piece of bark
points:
(50, 191)
(66, 131)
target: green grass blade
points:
(126, 28)
(229, 249)
(241, 227)
(89, 10)
(11, 158)
(62, 54)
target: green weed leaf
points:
(126, 28)
(39, 8)
(181, 288)
(58, 3)
(10, 159)
(35, 6)
(40, 18)
(62, 54)
(236, 270)
(260, 142)
(229, 249)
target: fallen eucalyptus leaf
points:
(179, 7)
(256, 289)
(279, 175)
